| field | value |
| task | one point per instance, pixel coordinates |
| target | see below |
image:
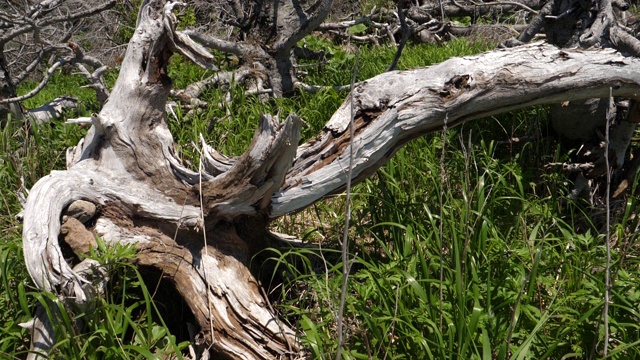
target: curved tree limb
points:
(406, 33)
(231, 47)
(297, 23)
(393, 108)
(461, 8)
(538, 22)
(45, 80)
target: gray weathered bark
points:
(127, 165)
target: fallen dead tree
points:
(198, 228)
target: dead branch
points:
(36, 33)
(464, 8)
(38, 20)
(396, 107)
(343, 25)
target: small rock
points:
(77, 236)
(81, 210)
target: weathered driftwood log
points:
(199, 228)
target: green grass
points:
(516, 276)
(477, 257)
(124, 324)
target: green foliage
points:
(16, 307)
(516, 278)
(374, 60)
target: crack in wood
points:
(455, 86)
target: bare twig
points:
(43, 53)
(345, 237)
(607, 280)
(349, 23)
(443, 179)
(406, 33)
(502, 3)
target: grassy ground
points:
(463, 247)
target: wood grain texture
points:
(396, 107)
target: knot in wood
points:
(452, 88)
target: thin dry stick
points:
(605, 311)
(206, 252)
(467, 180)
(607, 278)
(442, 14)
(443, 178)
(42, 83)
(392, 327)
(345, 235)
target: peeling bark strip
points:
(127, 166)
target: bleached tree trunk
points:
(200, 227)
